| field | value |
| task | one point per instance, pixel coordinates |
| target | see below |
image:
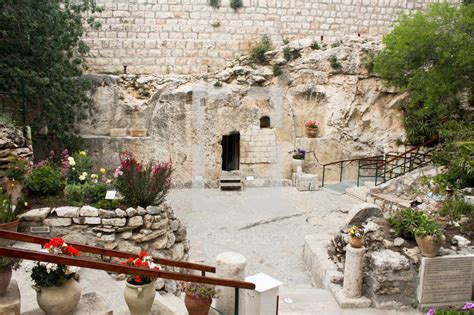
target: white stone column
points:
(353, 272)
(230, 265)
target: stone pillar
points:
(230, 265)
(353, 273)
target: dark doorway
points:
(231, 152)
(264, 122)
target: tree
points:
(41, 45)
(430, 55)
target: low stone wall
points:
(154, 229)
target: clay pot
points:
(59, 300)
(295, 163)
(5, 277)
(13, 189)
(10, 226)
(429, 245)
(356, 242)
(196, 306)
(311, 132)
(139, 298)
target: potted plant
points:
(198, 298)
(139, 290)
(7, 264)
(298, 155)
(16, 171)
(356, 236)
(311, 129)
(56, 286)
(429, 236)
(9, 214)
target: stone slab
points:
(346, 302)
(446, 280)
(36, 215)
(10, 302)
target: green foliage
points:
(368, 62)
(142, 185)
(260, 48)
(457, 154)
(200, 291)
(315, 46)
(218, 84)
(107, 204)
(79, 166)
(215, 3)
(276, 70)
(429, 54)
(17, 168)
(456, 207)
(41, 45)
(335, 64)
(45, 179)
(286, 41)
(87, 193)
(9, 212)
(8, 263)
(427, 227)
(235, 4)
(291, 54)
(42, 278)
(7, 120)
(406, 221)
(336, 44)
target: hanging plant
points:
(235, 4)
(215, 3)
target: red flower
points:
(145, 264)
(47, 245)
(143, 254)
(71, 251)
(138, 279)
(137, 262)
(123, 263)
(57, 242)
(156, 268)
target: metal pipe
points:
(236, 305)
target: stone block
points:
(10, 302)
(140, 238)
(131, 212)
(115, 222)
(36, 215)
(87, 220)
(120, 213)
(58, 222)
(135, 221)
(360, 213)
(346, 302)
(66, 212)
(88, 211)
(153, 210)
(106, 213)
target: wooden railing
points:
(113, 267)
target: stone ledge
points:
(345, 302)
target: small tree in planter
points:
(142, 185)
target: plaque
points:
(446, 279)
(110, 195)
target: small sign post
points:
(110, 195)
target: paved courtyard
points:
(266, 225)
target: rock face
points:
(164, 237)
(13, 142)
(186, 117)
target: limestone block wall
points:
(258, 146)
(189, 36)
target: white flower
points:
(72, 269)
(51, 267)
(94, 176)
(71, 161)
(84, 174)
(82, 177)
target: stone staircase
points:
(230, 181)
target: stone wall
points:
(154, 229)
(187, 116)
(13, 142)
(189, 36)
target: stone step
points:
(231, 186)
(358, 192)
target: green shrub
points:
(406, 222)
(276, 70)
(315, 46)
(87, 193)
(45, 179)
(456, 207)
(286, 41)
(107, 204)
(142, 185)
(427, 227)
(335, 64)
(291, 54)
(336, 44)
(78, 166)
(215, 3)
(8, 212)
(235, 4)
(260, 48)
(368, 62)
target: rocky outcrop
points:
(13, 142)
(187, 116)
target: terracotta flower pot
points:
(5, 277)
(196, 306)
(295, 163)
(430, 244)
(139, 298)
(311, 132)
(14, 190)
(59, 300)
(10, 226)
(356, 242)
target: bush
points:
(87, 193)
(291, 54)
(276, 70)
(77, 166)
(45, 179)
(235, 4)
(406, 222)
(315, 46)
(335, 64)
(8, 212)
(260, 48)
(142, 185)
(454, 208)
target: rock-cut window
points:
(265, 122)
